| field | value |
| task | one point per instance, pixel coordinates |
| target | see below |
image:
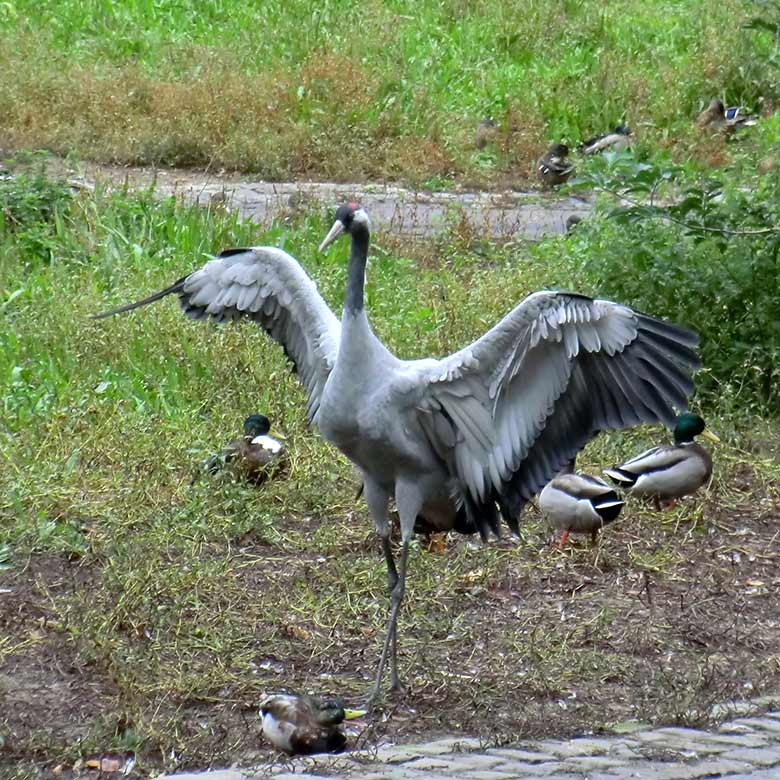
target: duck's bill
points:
(711, 436)
(352, 714)
(273, 432)
(335, 232)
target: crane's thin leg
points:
(396, 597)
(408, 498)
(392, 572)
(377, 500)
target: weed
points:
(392, 91)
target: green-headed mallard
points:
(670, 471)
(300, 725)
(553, 167)
(617, 140)
(716, 117)
(578, 503)
(255, 456)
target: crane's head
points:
(349, 218)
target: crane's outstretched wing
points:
(510, 410)
(269, 286)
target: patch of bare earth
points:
(669, 615)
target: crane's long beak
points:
(335, 232)
(711, 436)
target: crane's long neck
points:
(356, 277)
(359, 346)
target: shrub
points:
(31, 207)
(708, 257)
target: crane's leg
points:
(378, 501)
(408, 499)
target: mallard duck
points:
(300, 725)
(254, 456)
(669, 472)
(486, 132)
(553, 167)
(579, 503)
(717, 118)
(617, 141)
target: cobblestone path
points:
(740, 749)
(414, 214)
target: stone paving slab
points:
(745, 748)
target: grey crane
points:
(456, 440)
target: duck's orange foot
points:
(564, 538)
(436, 543)
(668, 504)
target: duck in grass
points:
(578, 503)
(486, 133)
(617, 140)
(553, 167)
(255, 456)
(717, 118)
(670, 471)
(301, 725)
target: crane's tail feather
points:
(176, 287)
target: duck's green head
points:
(256, 425)
(688, 427)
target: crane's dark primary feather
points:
(176, 287)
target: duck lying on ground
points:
(300, 725)
(255, 456)
(616, 141)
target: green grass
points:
(377, 89)
(172, 601)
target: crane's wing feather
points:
(267, 285)
(510, 410)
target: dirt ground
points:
(668, 616)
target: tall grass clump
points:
(390, 90)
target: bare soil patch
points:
(668, 616)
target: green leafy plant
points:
(702, 250)
(32, 206)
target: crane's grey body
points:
(368, 410)
(458, 439)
